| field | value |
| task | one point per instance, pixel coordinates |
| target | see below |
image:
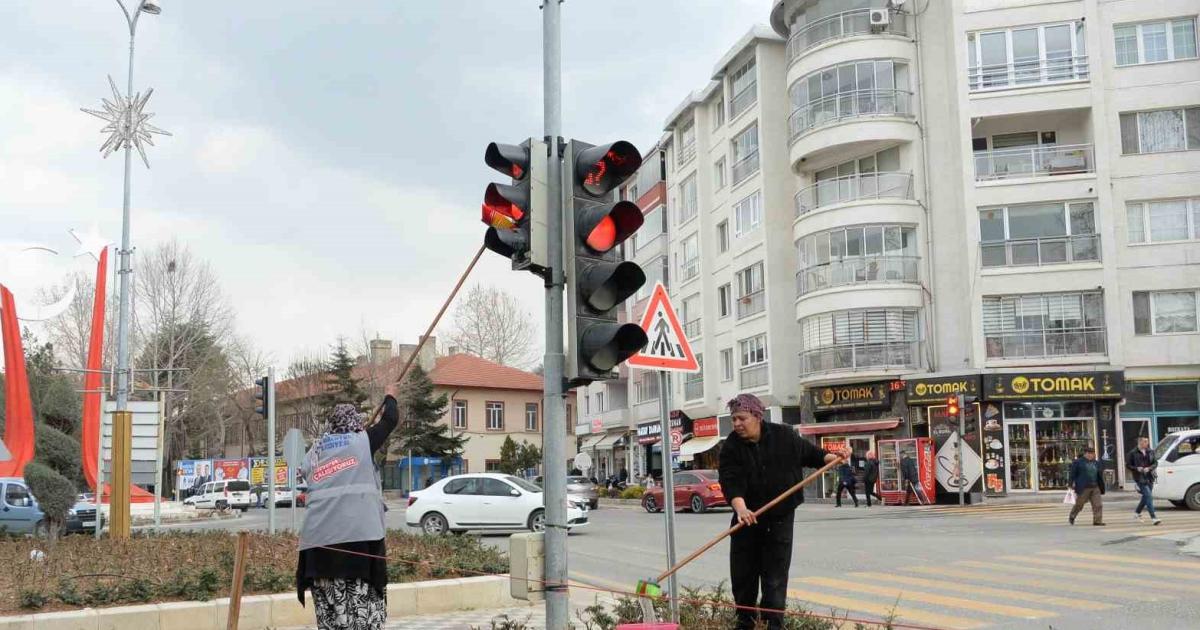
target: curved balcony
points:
(828, 192)
(861, 357)
(858, 270)
(854, 104)
(840, 26)
(860, 120)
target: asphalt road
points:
(1001, 566)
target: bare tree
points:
(70, 333)
(302, 392)
(248, 363)
(490, 323)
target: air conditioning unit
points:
(880, 18)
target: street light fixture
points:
(151, 7)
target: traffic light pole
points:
(554, 429)
(270, 402)
(962, 429)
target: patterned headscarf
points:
(748, 403)
(344, 419)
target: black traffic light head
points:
(599, 169)
(515, 213)
(262, 396)
(512, 160)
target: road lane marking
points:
(1112, 557)
(902, 614)
(1158, 531)
(1076, 575)
(1023, 579)
(1073, 564)
(972, 589)
(931, 598)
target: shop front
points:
(702, 451)
(1046, 420)
(1154, 410)
(649, 437)
(928, 399)
(853, 416)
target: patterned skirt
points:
(343, 604)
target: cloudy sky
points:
(327, 155)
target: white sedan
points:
(488, 501)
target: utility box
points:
(527, 555)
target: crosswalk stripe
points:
(1158, 531)
(1073, 564)
(1094, 577)
(973, 589)
(1112, 557)
(902, 594)
(1024, 579)
(902, 614)
(1152, 530)
(983, 509)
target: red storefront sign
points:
(705, 427)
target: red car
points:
(697, 490)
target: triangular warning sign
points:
(668, 348)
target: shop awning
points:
(590, 442)
(826, 428)
(689, 449)
(607, 443)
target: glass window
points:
(727, 364)
(719, 174)
(1138, 397)
(1183, 38)
(495, 415)
(493, 487)
(1055, 324)
(723, 236)
(531, 416)
(753, 350)
(1163, 220)
(718, 113)
(689, 205)
(1176, 397)
(689, 257)
(16, 495)
(1126, 44)
(460, 414)
(724, 300)
(1160, 131)
(1027, 55)
(743, 86)
(747, 213)
(1174, 312)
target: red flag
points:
(18, 418)
(93, 380)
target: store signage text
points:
(1054, 385)
(935, 390)
(847, 396)
(705, 427)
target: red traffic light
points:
(603, 227)
(503, 206)
(602, 168)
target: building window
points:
(858, 339)
(751, 291)
(656, 271)
(743, 84)
(872, 177)
(1163, 221)
(723, 236)
(690, 201)
(689, 312)
(745, 154)
(1039, 234)
(753, 361)
(718, 113)
(460, 414)
(693, 383)
(871, 87)
(1164, 312)
(495, 415)
(1044, 325)
(531, 416)
(1160, 131)
(719, 174)
(491, 465)
(724, 300)
(860, 254)
(689, 258)
(1030, 55)
(687, 142)
(727, 365)
(1152, 42)
(747, 213)
(645, 387)
(653, 226)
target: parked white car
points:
(233, 493)
(487, 501)
(1179, 469)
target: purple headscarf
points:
(748, 403)
(345, 419)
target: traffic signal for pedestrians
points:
(952, 406)
(598, 281)
(262, 395)
(515, 213)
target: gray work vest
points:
(344, 500)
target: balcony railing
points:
(1037, 161)
(686, 153)
(743, 100)
(754, 376)
(1052, 250)
(1045, 343)
(861, 356)
(691, 329)
(1027, 72)
(851, 104)
(857, 270)
(693, 390)
(845, 24)
(751, 304)
(744, 168)
(852, 188)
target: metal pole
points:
(125, 271)
(554, 444)
(158, 464)
(962, 429)
(100, 468)
(271, 450)
(668, 488)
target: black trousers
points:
(846, 486)
(870, 490)
(759, 558)
(910, 489)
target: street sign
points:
(597, 425)
(676, 440)
(668, 348)
(583, 461)
(293, 447)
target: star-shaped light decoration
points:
(127, 124)
(91, 243)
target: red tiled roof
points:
(464, 370)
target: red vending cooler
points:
(890, 453)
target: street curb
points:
(263, 612)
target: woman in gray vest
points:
(345, 514)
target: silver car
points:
(579, 487)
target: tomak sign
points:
(937, 390)
(1054, 385)
(668, 348)
(850, 396)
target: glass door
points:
(1131, 430)
(1021, 470)
(859, 445)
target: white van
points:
(234, 493)
(1179, 469)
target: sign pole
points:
(668, 486)
(158, 466)
(270, 404)
(962, 429)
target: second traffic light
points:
(598, 281)
(263, 388)
(515, 213)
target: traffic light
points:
(952, 406)
(262, 395)
(516, 213)
(598, 281)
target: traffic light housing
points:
(515, 213)
(952, 406)
(262, 395)
(598, 281)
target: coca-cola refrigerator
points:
(891, 452)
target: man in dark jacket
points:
(759, 462)
(871, 478)
(909, 477)
(1142, 464)
(1088, 481)
(846, 481)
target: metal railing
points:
(1045, 343)
(689, 269)
(838, 26)
(851, 104)
(1046, 250)
(889, 185)
(751, 304)
(858, 270)
(754, 376)
(1033, 161)
(691, 329)
(1027, 72)
(744, 168)
(861, 356)
(686, 153)
(693, 390)
(743, 100)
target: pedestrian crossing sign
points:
(668, 348)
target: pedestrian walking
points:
(909, 477)
(758, 462)
(1142, 463)
(871, 478)
(846, 481)
(345, 514)
(1088, 484)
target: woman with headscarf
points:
(342, 547)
